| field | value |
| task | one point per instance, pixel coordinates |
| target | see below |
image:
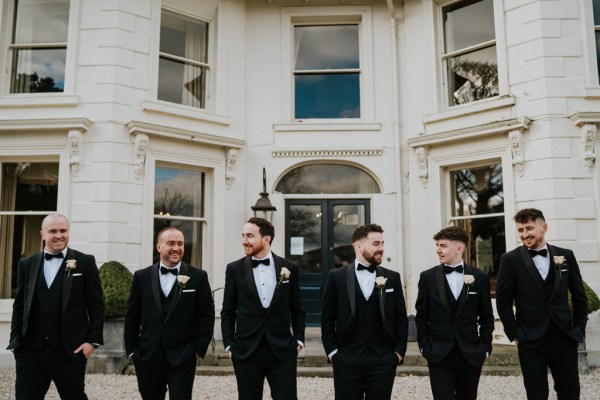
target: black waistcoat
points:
(45, 325)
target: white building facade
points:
(128, 116)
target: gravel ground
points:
(115, 387)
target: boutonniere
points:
(182, 280)
(469, 281)
(559, 262)
(284, 275)
(70, 266)
(380, 282)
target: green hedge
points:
(592, 297)
(116, 283)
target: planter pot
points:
(110, 358)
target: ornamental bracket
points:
(139, 155)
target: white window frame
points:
(290, 17)
(434, 10)
(589, 42)
(7, 10)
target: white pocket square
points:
(77, 274)
(563, 270)
(389, 290)
(285, 281)
(188, 290)
(472, 292)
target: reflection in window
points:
(478, 207)
(596, 5)
(28, 192)
(179, 202)
(327, 179)
(470, 51)
(305, 237)
(183, 62)
(326, 71)
(39, 46)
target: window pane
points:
(598, 52)
(192, 233)
(473, 76)
(327, 96)
(327, 179)
(326, 47)
(38, 70)
(596, 5)
(487, 242)
(477, 191)
(41, 21)
(468, 23)
(181, 83)
(178, 192)
(305, 237)
(184, 37)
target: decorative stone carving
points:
(515, 140)
(230, 159)
(74, 151)
(139, 155)
(588, 140)
(327, 153)
(422, 165)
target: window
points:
(469, 58)
(38, 47)
(596, 5)
(326, 71)
(179, 202)
(327, 179)
(478, 207)
(183, 59)
(28, 192)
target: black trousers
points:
(369, 376)
(250, 374)
(37, 368)
(153, 380)
(454, 378)
(558, 353)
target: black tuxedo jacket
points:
(338, 319)
(439, 327)
(519, 281)
(244, 320)
(186, 328)
(82, 301)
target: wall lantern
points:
(263, 207)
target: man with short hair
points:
(263, 319)
(169, 321)
(538, 278)
(58, 316)
(454, 319)
(364, 325)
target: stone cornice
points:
(48, 124)
(327, 153)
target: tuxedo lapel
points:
(440, 283)
(278, 265)
(351, 285)
(530, 267)
(557, 276)
(68, 279)
(37, 264)
(250, 279)
(183, 270)
(155, 284)
(463, 293)
(379, 272)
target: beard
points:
(370, 257)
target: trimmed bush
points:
(592, 298)
(116, 283)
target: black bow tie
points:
(542, 252)
(49, 256)
(448, 269)
(165, 270)
(371, 269)
(256, 263)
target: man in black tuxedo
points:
(261, 300)
(454, 319)
(58, 316)
(364, 327)
(538, 277)
(169, 321)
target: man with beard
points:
(363, 324)
(261, 303)
(537, 278)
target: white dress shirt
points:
(52, 266)
(456, 281)
(265, 280)
(542, 263)
(366, 280)
(167, 280)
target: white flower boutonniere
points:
(284, 275)
(469, 281)
(70, 266)
(380, 282)
(182, 280)
(559, 262)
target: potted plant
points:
(593, 305)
